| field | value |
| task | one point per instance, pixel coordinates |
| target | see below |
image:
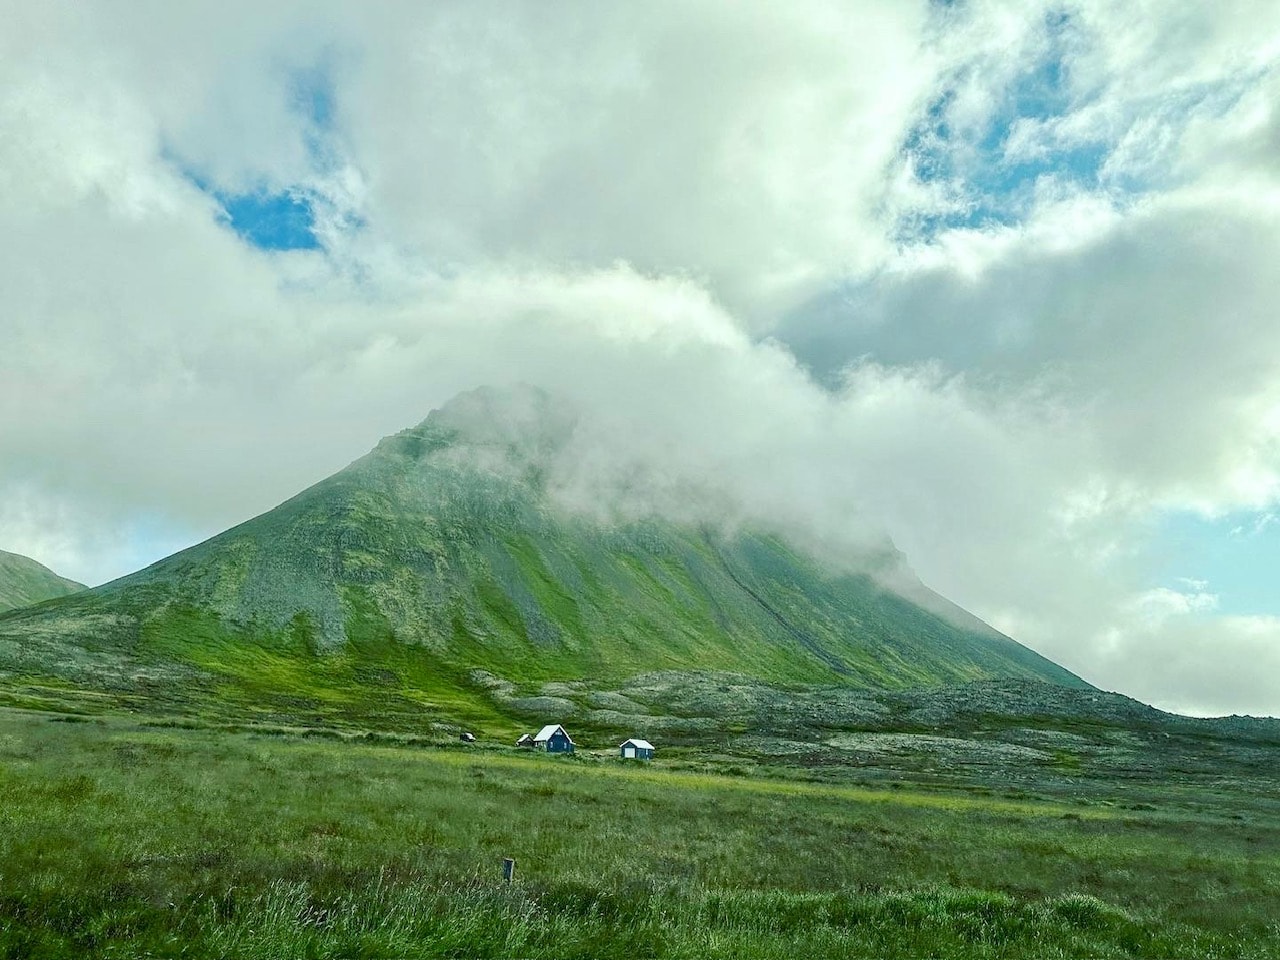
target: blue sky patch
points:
(313, 96)
(314, 99)
(267, 219)
(273, 221)
(284, 218)
(1236, 555)
(990, 188)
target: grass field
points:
(121, 836)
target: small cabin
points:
(635, 749)
(553, 739)
(526, 740)
(467, 737)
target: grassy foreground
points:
(119, 838)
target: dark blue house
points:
(635, 749)
(553, 739)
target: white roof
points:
(642, 744)
(546, 732)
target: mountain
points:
(442, 563)
(23, 582)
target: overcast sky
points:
(1001, 279)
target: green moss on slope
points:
(24, 582)
(437, 555)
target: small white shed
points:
(636, 749)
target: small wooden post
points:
(508, 869)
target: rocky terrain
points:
(1007, 733)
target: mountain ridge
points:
(24, 582)
(440, 552)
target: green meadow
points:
(124, 836)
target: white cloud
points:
(617, 206)
(1200, 664)
(744, 144)
(1155, 607)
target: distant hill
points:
(23, 582)
(440, 556)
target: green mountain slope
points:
(23, 582)
(440, 554)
